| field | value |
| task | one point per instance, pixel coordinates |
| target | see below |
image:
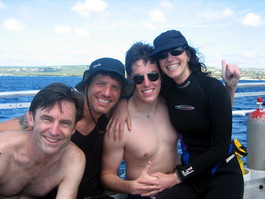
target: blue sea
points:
(21, 83)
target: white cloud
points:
(2, 5)
(252, 19)
(85, 7)
(13, 24)
(81, 32)
(157, 16)
(62, 30)
(210, 15)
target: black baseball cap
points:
(109, 65)
(168, 40)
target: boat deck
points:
(255, 189)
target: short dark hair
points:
(136, 52)
(55, 93)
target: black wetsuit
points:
(91, 145)
(200, 110)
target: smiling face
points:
(147, 91)
(103, 94)
(53, 128)
(176, 67)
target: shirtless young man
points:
(152, 139)
(33, 163)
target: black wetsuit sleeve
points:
(220, 130)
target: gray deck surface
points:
(252, 189)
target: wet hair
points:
(138, 51)
(56, 93)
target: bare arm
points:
(231, 76)
(111, 159)
(15, 124)
(68, 188)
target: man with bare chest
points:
(160, 138)
(33, 163)
(150, 146)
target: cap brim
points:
(163, 48)
(167, 46)
(87, 74)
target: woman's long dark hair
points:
(195, 64)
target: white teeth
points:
(104, 101)
(171, 67)
(51, 140)
(148, 91)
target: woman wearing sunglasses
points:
(200, 110)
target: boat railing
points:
(247, 94)
(15, 94)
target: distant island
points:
(77, 70)
(246, 73)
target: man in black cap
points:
(102, 85)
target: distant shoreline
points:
(77, 71)
(10, 75)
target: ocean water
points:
(21, 83)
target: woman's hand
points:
(230, 74)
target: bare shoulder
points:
(74, 152)
(73, 161)
(73, 157)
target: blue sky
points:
(70, 32)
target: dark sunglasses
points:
(139, 78)
(173, 52)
